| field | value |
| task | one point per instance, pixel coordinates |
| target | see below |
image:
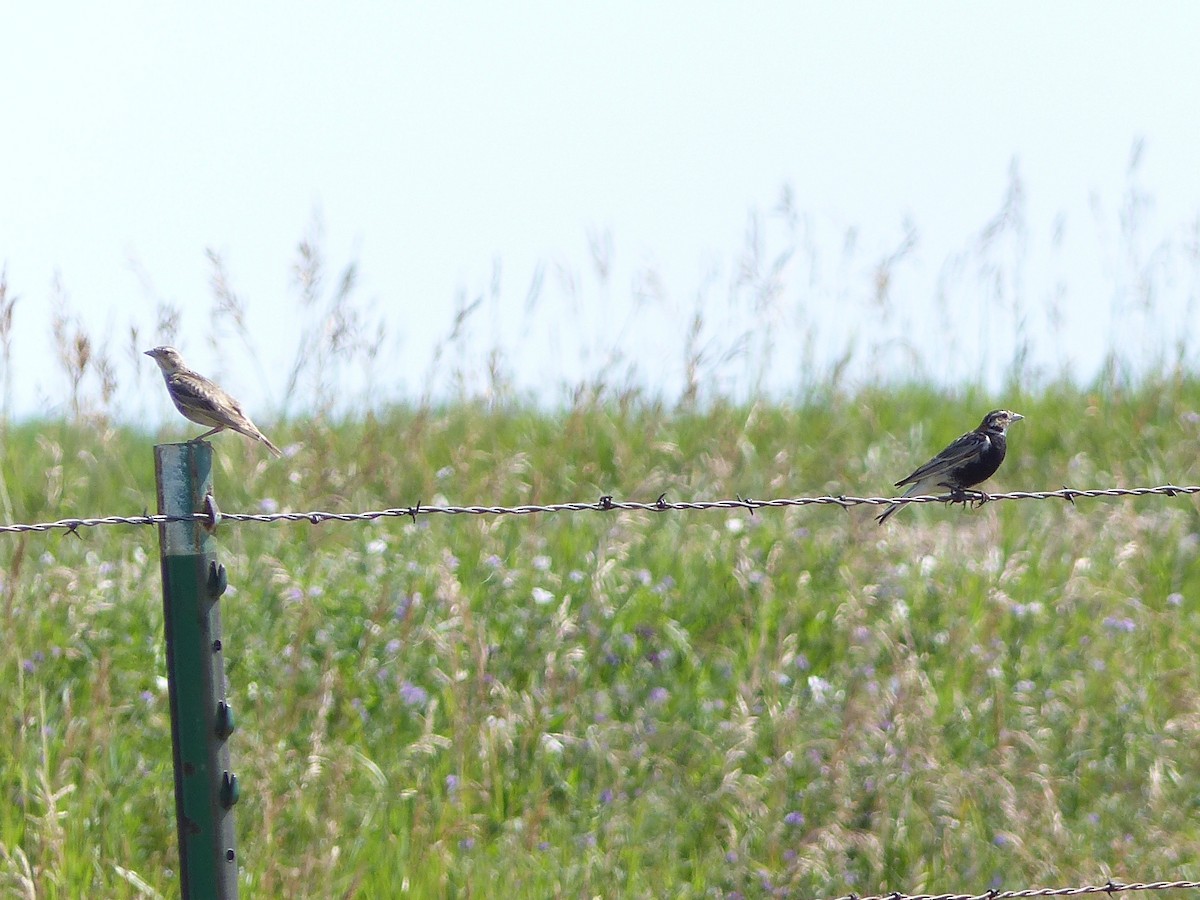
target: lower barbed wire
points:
(1109, 887)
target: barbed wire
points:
(606, 503)
(1111, 887)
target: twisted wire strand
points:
(604, 504)
(1111, 887)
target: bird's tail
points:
(895, 507)
(250, 430)
(262, 437)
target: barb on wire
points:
(1110, 887)
(604, 504)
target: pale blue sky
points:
(437, 140)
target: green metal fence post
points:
(201, 719)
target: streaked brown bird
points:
(970, 459)
(202, 401)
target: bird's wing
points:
(203, 397)
(964, 450)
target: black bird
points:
(966, 462)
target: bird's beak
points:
(1016, 417)
(149, 353)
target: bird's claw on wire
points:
(965, 497)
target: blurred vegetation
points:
(640, 704)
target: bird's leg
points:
(966, 496)
(959, 494)
(208, 433)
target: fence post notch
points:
(201, 719)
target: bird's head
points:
(998, 420)
(168, 359)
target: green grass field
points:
(791, 703)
